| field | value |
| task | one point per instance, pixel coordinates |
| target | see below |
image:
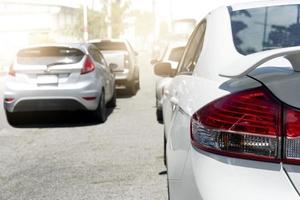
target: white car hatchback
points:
(232, 112)
(60, 77)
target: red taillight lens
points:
(244, 124)
(9, 99)
(11, 71)
(88, 66)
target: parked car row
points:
(169, 59)
(231, 111)
(69, 77)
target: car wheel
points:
(159, 116)
(113, 102)
(100, 112)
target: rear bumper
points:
(45, 105)
(207, 176)
(51, 98)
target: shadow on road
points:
(56, 119)
(123, 94)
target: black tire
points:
(100, 112)
(113, 102)
(131, 88)
(159, 116)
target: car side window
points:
(193, 50)
(101, 58)
(97, 56)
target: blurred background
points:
(147, 24)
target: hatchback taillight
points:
(88, 66)
(245, 124)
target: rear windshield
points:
(111, 46)
(264, 28)
(49, 55)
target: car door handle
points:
(174, 101)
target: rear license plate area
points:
(47, 79)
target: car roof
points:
(257, 4)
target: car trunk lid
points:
(48, 65)
(283, 81)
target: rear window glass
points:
(49, 55)
(264, 28)
(111, 46)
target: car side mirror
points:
(163, 69)
(113, 67)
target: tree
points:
(96, 25)
(119, 11)
(144, 23)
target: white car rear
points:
(232, 112)
(59, 77)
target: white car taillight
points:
(88, 66)
(245, 124)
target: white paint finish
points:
(194, 92)
(218, 48)
(178, 145)
(200, 175)
(244, 65)
(225, 178)
(294, 174)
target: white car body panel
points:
(195, 174)
(240, 179)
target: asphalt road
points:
(67, 156)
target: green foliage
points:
(144, 23)
(119, 11)
(96, 25)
